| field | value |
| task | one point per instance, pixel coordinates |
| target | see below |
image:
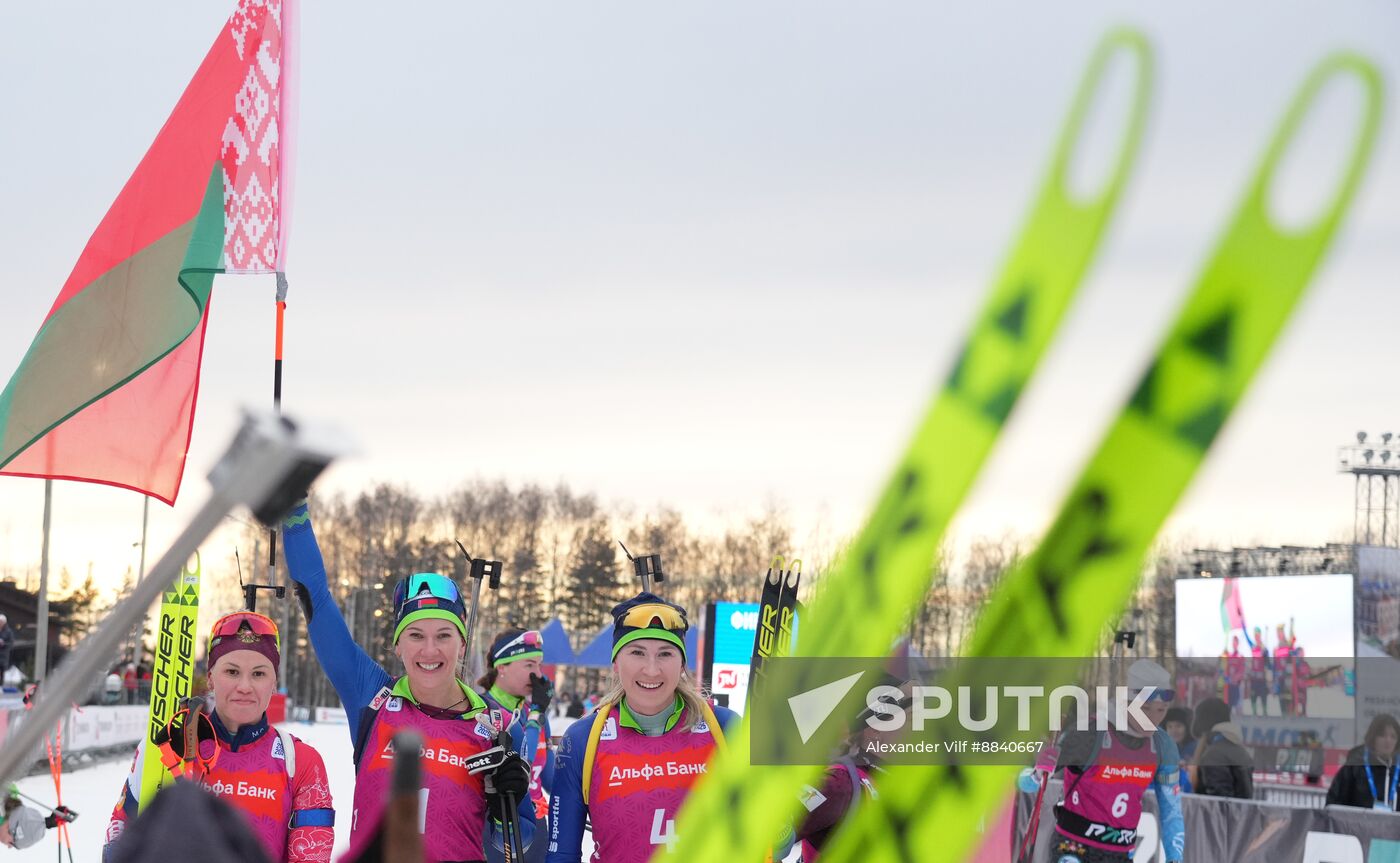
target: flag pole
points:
(138, 630)
(277, 401)
(41, 623)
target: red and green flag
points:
(1231, 608)
(106, 392)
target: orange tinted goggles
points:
(256, 625)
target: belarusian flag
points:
(106, 392)
(1231, 607)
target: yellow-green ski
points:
(736, 812)
(1056, 602)
(172, 672)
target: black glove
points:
(61, 813)
(509, 781)
(541, 693)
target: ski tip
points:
(775, 563)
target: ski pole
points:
(14, 790)
(515, 849)
(477, 570)
(507, 840)
(1027, 853)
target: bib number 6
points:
(1120, 805)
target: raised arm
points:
(355, 676)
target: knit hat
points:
(26, 826)
(1146, 674)
(427, 596)
(244, 630)
(647, 615)
(1179, 714)
(514, 645)
(1209, 713)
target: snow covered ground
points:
(94, 791)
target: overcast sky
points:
(707, 254)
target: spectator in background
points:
(129, 681)
(13, 678)
(1370, 778)
(575, 710)
(112, 688)
(1177, 724)
(7, 641)
(1223, 766)
(143, 677)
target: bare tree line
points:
(559, 549)
(562, 559)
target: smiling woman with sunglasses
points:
(629, 766)
(428, 699)
(277, 781)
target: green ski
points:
(1056, 601)
(737, 812)
(172, 673)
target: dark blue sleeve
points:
(728, 719)
(567, 811)
(526, 739)
(356, 677)
(1168, 793)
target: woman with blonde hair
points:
(629, 766)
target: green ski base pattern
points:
(1057, 601)
(737, 812)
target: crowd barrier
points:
(1221, 830)
(85, 729)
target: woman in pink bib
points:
(275, 780)
(628, 767)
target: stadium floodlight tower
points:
(1375, 467)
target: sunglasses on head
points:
(1157, 694)
(531, 639)
(256, 625)
(645, 615)
(423, 585)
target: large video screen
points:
(733, 628)
(1220, 616)
(1269, 646)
